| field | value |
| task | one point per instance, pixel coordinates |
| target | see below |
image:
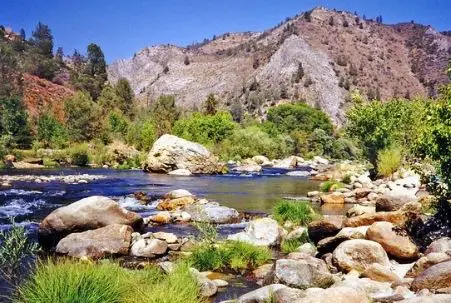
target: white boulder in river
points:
(262, 232)
(88, 213)
(171, 153)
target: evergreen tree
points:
(82, 117)
(125, 94)
(22, 34)
(14, 122)
(164, 113)
(237, 111)
(210, 105)
(96, 66)
(59, 55)
(42, 40)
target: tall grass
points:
(299, 213)
(78, 282)
(291, 245)
(389, 160)
(330, 185)
(230, 254)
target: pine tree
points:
(59, 55)
(125, 93)
(210, 105)
(42, 40)
(96, 66)
(22, 34)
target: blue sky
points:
(122, 28)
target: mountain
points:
(319, 56)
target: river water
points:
(29, 202)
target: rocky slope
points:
(338, 52)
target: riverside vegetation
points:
(352, 255)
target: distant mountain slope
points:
(319, 56)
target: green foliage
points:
(86, 282)
(291, 245)
(252, 141)
(299, 117)
(164, 114)
(118, 123)
(230, 254)
(42, 40)
(330, 185)
(14, 122)
(126, 96)
(82, 119)
(15, 251)
(389, 160)
(79, 155)
(298, 213)
(108, 100)
(435, 140)
(205, 129)
(51, 133)
(142, 133)
(347, 179)
(378, 125)
(210, 105)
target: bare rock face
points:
(359, 255)
(85, 214)
(435, 277)
(109, 240)
(396, 245)
(171, 153)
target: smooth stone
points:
(180, 172)
(261, 295)
(380, 273)
(435, 277)
(148, 248)
(261, 232)
(170, 238)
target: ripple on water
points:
(22, 192)
(20, 207)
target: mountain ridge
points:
(319, 56)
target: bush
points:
(230, 254)
(79, 155)
(142, 134)
(82, 282)
(347, 179)
(330, 186)
(389, 160)
(205, 129)
(15, 251)
(378, 125)
(252, 141)
(298, 213)
(299, 117)
(51, 133)
(291, 245)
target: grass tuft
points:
(331, 185)
(299, 213)
(389, 160)
(82, 282)
(230, 254)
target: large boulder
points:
(395, 244)
(433, 278)
(248, 168)
(261, 232)
(328, 226)
(442, 245)
(173, 204)
(333, 198)
(148, 247)
(380, 273)
(348, 233)
(395, 199)
(212, 213)
(303, 273)
(85, 214)
(170, 153)
(398, 218)
(427, 261)
(287, 163)
(261, 295)
(374, 289)
(359, 255)
(106, 241)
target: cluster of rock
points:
(182, 206)
(363, 258)
(382, 195)
(6, 180)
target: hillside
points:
(319, 56)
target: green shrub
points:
(205, 129)
(378, 125)
(347, 179)
(83, 282)
(118, 123)
(299, 117)
(330, 185)
(49, 163)
(230, 254)
(15, 251)
(299, 213)
(291, 245)
(51, 133)
(389, 160)
(79, 155)
(142, 134)
(252, 141)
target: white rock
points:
(180, 172)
